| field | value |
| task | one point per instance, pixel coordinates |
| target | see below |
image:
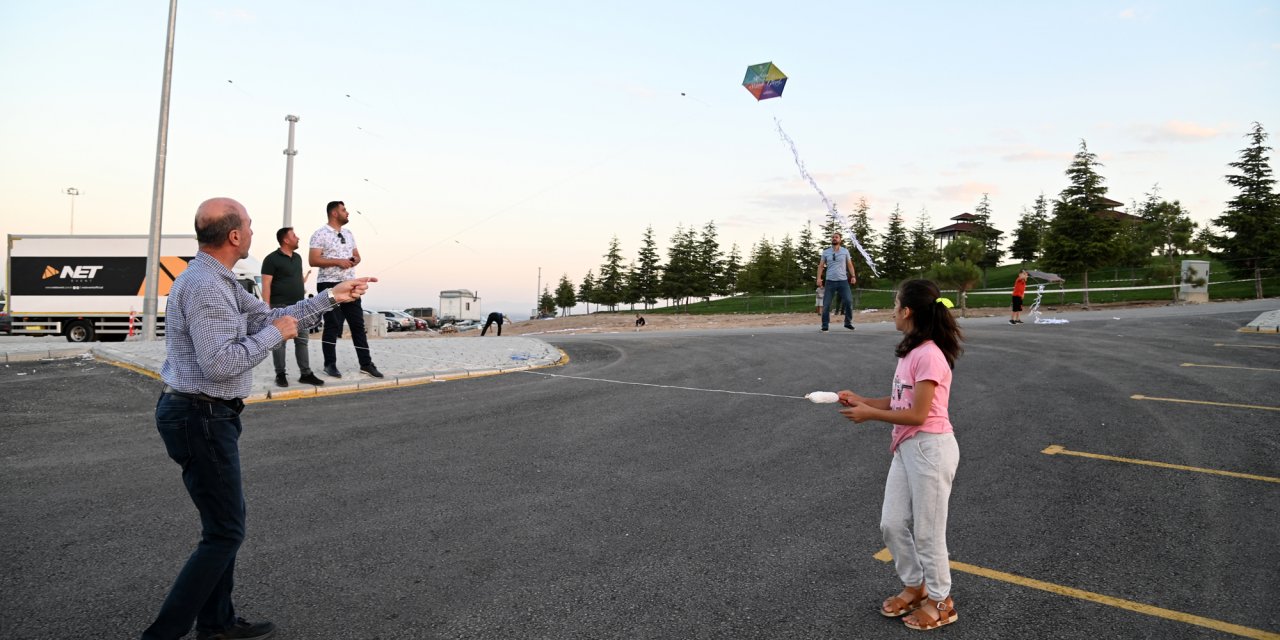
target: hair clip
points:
(945, 302)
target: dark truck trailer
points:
(92, 287)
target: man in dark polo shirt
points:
(281, 287)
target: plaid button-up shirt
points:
(215, 332)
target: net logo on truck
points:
(77, 272)
(89, 275)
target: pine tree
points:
(732, 267)
(830, 226)
(895, 251)
(1029, 238)
(630, 294)
(788, 272)
(860, 228)
(565, 298)
(609, 285)
(924, 248)
(587, 290)
(1251, 221)
(648, 272)
(807, 252)
(1078, 238)
(988, 235)
(710, 263)
(679, 277)
(546, 303)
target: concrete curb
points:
(1268, 322)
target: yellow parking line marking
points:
(1177, 616)
(1223, 366)
(1138, 396)
(1246, 346)
(1055, 449)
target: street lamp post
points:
(151, 290)
(288, 173)
(73, 192)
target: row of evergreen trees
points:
(1066, 235)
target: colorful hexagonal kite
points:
(764, 81)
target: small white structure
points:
(1195, 282)
(461, 304)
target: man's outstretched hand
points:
(350, 290)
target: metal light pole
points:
(150, 301)
(537, 296)
(73, 192)
(288, 174)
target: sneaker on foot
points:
(281, 380)
(371, 370)
(241, 630)
(311, 378)
(849, 327)
(1013, 322)
(332, 371)
(822, 329)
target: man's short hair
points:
(284, 231)
(214, 234)
(333, 206)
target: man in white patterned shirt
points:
(334, 252)
(215, 333)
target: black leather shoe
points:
(311, 378)
(332, 371)
(241, 630)
(371, 370)
(281, 380)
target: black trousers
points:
(489, 322)
(353, 313)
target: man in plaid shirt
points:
(215, 333)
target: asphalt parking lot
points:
(532, 506)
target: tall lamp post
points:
(73, 192)
(151, 291)
(288, 174)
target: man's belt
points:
(235, 404)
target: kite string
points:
(372, 351)
(827, 201)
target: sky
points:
(481, 142)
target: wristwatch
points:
(332, 298)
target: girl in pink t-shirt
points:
(913, 518)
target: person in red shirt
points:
(1019, 289)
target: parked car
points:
(411, 323)
(396, 323)
(6, 323)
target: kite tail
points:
(804, 173)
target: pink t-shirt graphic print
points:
(925, 362)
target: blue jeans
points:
(203, 439)
(830, 288)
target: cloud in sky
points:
(966, 193)
(1176, 131)
(1038, 155)
(1128, 14)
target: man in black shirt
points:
(282, 286)
(493, 318)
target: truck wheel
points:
(80, 331)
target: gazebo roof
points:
(959, 227)
(966, 217)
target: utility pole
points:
(73, 192)
(288, 174)
(537, 296)
(150, 301)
